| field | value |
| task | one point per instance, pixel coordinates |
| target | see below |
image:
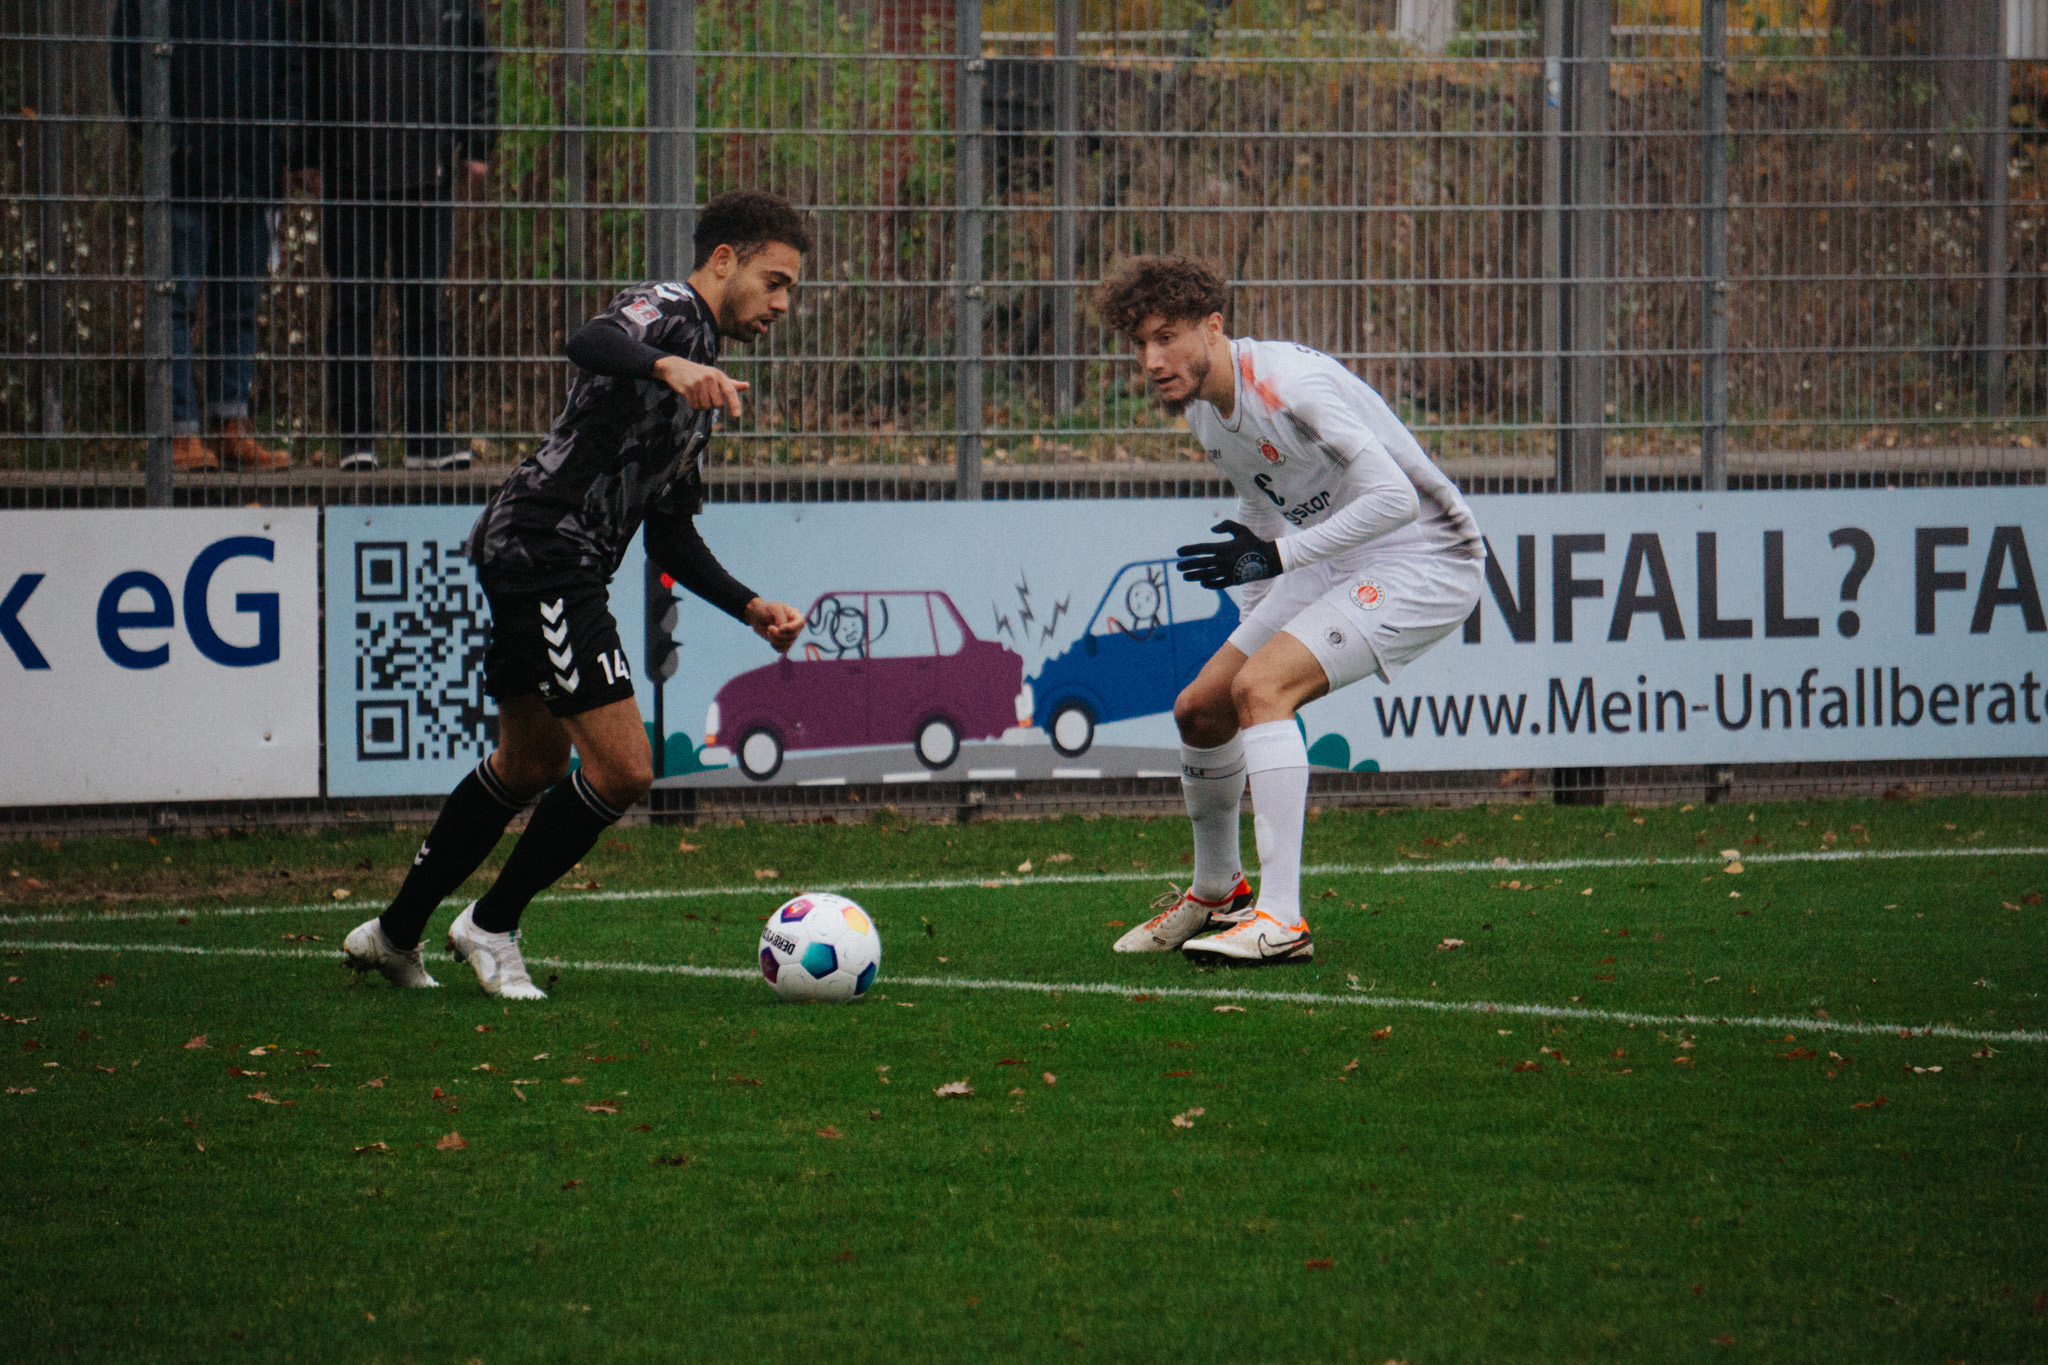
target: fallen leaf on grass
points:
(828, 1131)
(1320, 1263)
(1051, 1079)
(1724, 1340)
(483, 1066)
(377, 1084)
(1351, 1065)
(341, 893)
(1382, 1033)
(1115, 923)
(1186, 1118)
(687, 847)
(1878, 1103)
(1683, 1061)
(738, 1078)
(1139, 999)
(952, 1089)
(21, 1090)
(1024, 866)
(570, 1184)
(1230, 1009)
(1009, 1061)
(263, 1097)
(1171, 1075)
(453, 1142)
(1528, 1066)
(1984, 1051)
(572, 1080)
(1060, 858)
(1450, 943)
(602, 1107)
(1798, 1054)
(765, 874)
(1327, 894)
(373, 1148)
(200, 1041)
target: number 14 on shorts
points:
(616, 670)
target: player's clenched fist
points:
(776, 622)
(702, 386)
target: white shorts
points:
(1366, 614)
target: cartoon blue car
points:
(1148, 638)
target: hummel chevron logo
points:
(557, 635)
(569, 683)
(551, 611)
(563, 659)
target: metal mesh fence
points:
(1579, 244)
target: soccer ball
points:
(820, 947)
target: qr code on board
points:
(421, 625)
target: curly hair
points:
(746, 221)
(1177, 288)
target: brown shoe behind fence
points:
(189, 453)
(237, 447)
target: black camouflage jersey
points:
(622, 450)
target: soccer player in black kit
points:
(628, 448)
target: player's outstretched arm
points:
(674, 544)
(603, 346)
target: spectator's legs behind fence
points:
(353, 242)
(191, 225)
(237, 262)
(423, 242)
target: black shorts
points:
(557, 639)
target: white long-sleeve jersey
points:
(1323, 466)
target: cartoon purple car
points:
(871, 668)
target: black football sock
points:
(565, 826)
(468, 828)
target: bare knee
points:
(623, 783)
(1205, 717)
(1257, 698)
(527, 775)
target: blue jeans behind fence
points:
(223, 249)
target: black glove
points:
(1244, 558)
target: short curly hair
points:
(746, 221)
(1177, 288)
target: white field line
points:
(1058, 879)
(1107, 988)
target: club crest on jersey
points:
(643, 312)
(1272, 453)
(1368, 595)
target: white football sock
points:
(1276, 765)
(1212, 784)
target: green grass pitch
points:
(1705, 1139)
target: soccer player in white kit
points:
(1355, 553)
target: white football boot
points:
(1182, 915)
(367, 949)
(500, 969)
(1260, 941)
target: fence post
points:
(1995, 153)
(156, 249)
(1066, 119)
(1550, 239)
(54, 26)
(967, 328)
(672, 136)
(1714, 245)
(1581, 465)
(575, 157)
